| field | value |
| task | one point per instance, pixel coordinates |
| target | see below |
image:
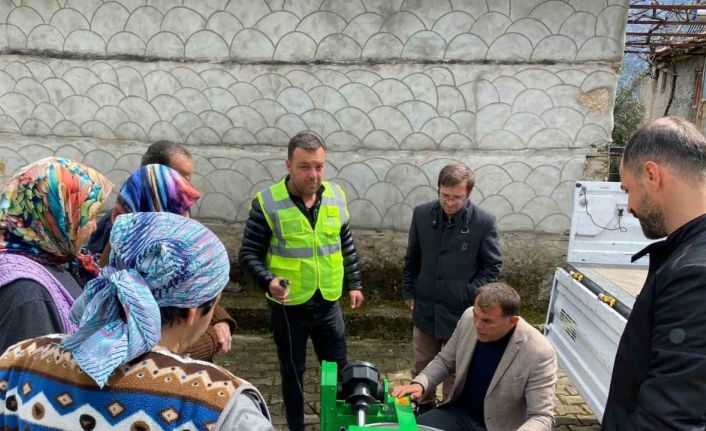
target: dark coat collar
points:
(665, 247)
(464, 215)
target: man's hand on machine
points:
(279, 290)
(414, 390)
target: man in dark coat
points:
(453, 249)
(659, 375)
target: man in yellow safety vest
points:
(298, 246)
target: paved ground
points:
(253, 358)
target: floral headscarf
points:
(158, 260)
(155, 188)
(46, 212)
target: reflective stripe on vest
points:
(308, 258)
(304, 252)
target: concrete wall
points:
(291, 30)
(521, 90)
(653, 97)
(656, 100)
(530, 260)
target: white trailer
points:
(592, 298)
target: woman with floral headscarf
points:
(159, 188)
(124, 367)
(47, 214)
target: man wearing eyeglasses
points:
(453, 249)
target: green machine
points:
(357, 401)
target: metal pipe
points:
(635, 33)
(361, 417)
(656, 21)
(667, 7)
(671, 44)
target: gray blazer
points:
(521, 393)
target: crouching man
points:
(505, 370)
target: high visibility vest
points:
(309, 258)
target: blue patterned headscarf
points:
(155, 188)
(158, 260)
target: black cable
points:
(620, 227)
(291, 354)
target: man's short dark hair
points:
(173, 315)
(160, 153)
(306, 141)
(456, 173)
(672, 141)
(501, 294)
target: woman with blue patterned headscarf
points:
(122, 368)
(159, 188)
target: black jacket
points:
(446, 261)
(256, 242)
(28, 310)
(659, 376)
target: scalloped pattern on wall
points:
(387, 107)
(532, 194)
(294, 30)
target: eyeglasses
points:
(452, 198)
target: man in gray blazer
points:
(505, 370)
